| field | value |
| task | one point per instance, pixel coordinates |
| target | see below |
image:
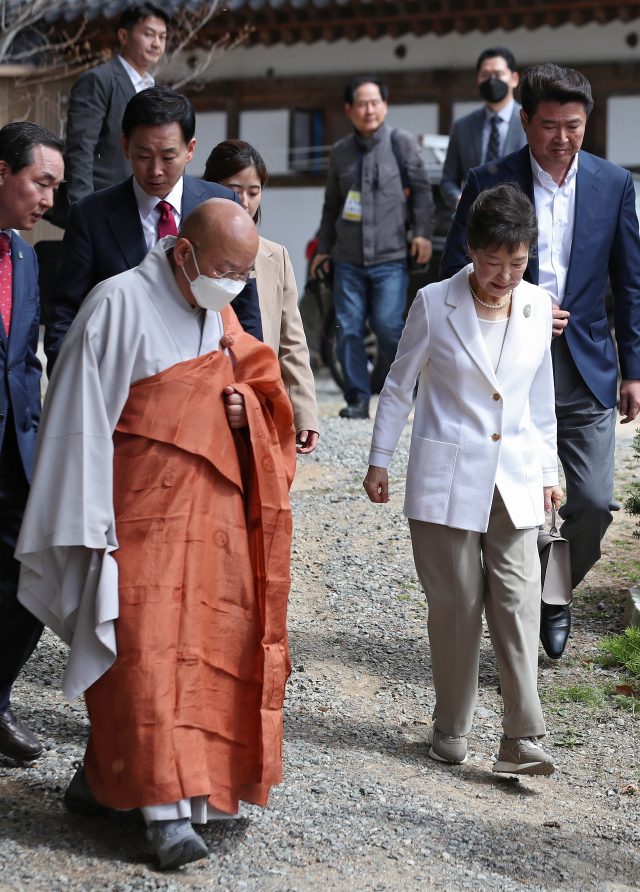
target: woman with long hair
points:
(239, 166)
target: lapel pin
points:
(527, 311)
(20, 254)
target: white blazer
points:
(474, 428)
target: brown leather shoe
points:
(16, 740)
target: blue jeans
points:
(378, 292)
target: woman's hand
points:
(376, 484)
(553, 494)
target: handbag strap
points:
(554, 529)
(404, 177)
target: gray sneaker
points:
(175, 843)
(522, 755)
(447, 749)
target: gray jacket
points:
(381, 235)
(94, 157)
(465, 150)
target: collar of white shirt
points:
(546, 179)
(504, 114)
(139, 81)
(147, 203)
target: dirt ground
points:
(362, 807)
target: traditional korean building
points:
(282, 88)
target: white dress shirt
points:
(149, 213)
(556, 209)
(504, 119)
(139, 81)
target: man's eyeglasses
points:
(230, 274)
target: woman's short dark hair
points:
(553, 83)
(159, 105)
(134, 14)
(355, 82)
(502, 217)
(18, 140)
(493, 52)
(230, 157)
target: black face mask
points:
(493, 89)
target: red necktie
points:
(167, 222)
(6, 288)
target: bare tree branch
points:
(216, 51)
(16, 15)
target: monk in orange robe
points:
(187, 719)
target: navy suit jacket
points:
(103, 238)
(606, 243)
(20, 369)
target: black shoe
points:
(356, 409)
(555, 625)
(81, 800)
(16, 740)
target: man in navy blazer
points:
(588, 231)
(31, 167)
(111, 231)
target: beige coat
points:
(283, 332)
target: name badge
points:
(353, 206)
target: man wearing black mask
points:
(490, 132)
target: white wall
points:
(268, 131)
(623, 130)
(568, 44)
(211, 128)
(460, 109)
(418, 118)
(291, 217)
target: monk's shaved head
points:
(225, 240)
(221, 229)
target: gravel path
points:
(362, 807)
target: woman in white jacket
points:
(482, 471)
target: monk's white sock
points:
(197, 809)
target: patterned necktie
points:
(167, 222)
(6, 288)
(493, 148)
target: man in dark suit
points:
(489, 133)
(588, 231)
(94, 158)
(31, 167)
(111, 231)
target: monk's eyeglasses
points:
(230, 274)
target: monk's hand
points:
(235, 408)
(376, 484)
(553, 494)
(421, 249)
(629, 400)
(307, 442)
(560, 319)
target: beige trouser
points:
(449, 564)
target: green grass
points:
(622, 650)
(586, 694)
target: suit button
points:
(1, 417)
(495, 437)
(496, 396)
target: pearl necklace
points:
(489, 306)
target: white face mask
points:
(212, 294)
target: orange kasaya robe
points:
(192, 705)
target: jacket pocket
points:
(430, 475)
(600, 330)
